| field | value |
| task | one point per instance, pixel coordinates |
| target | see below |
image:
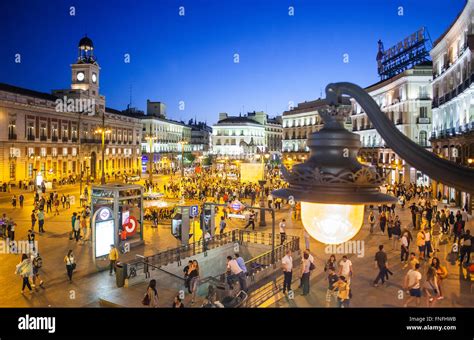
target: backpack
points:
(38, 261)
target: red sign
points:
(130, 225)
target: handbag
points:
(146, 300)
(73, 266)
(312, 266)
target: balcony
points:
(54, 138)
(90, 141)
(43, 138)
(12, 136)
(399, 122)
(74, 139)
(31, 137)
(423, 120)
(65, 139)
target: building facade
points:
(453, 98)
(200, 138)
(164, 140)
(54, 136)
(406, 100)
(241, 137)
(298, 123)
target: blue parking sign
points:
(193, 211)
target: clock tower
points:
(85, 72)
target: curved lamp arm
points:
(441, 170)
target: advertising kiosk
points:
(117, 217)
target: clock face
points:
(80, 76)
(94, 78)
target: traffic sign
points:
(193, 211)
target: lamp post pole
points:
(102, 179)
(150, 158)
(262, 182)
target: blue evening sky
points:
(190, 58)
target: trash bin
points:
(120, 274)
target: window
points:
(64, 131)
(54, 152)
(74, 151)
(55, 129)
(31, 152)
(64, 151)
(64, 167)
(423, 138)
(12, 170)
(30, 170)
(43, 130)
(31, 129)
(423, 112)
(43, 152)
(11, 128)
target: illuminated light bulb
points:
(332, 223)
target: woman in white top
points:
(70, 264)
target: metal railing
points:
(262, 261)
(138, 265)
(177, 254)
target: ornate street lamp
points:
(333, 186)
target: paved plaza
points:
(89, 284)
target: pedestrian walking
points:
(331, 292)
(251, 221)
(70, 264)
(25, 270)
(287, 267)
(113, 258)
(37, 263)
(41, 221)
(441, 274)
(77, 228)
(382, 222)
(305, 273)
(222, 225)
(21, 199)
(194, 279)
(371, 220)
(331, 263)
(381, 263)
(235, 273)
(151, 296)
(404, 248)
(420, 243)
(343, 291)
(412, 284)
(345, 268)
